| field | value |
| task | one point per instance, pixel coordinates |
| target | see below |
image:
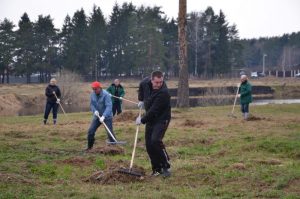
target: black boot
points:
(90, 144)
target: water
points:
(276, 101)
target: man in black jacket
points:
(154, 96)
(52, 101)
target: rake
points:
(113, 137)
(236, 95)
(130, 171)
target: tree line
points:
(133, 41)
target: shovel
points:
(130, 171)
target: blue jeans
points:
(93, 128)
(49, 106)
(245, 108)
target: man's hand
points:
(96, 113)
(121, 98)
(141, 104)
(58, 101)
(102, 118)
(138, 120)
(239, 95)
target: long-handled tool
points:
(130, 171)
(122, 98)
(236, 95)
(60, 105)
(112, 136)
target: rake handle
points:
(108, 130)
(135, 142)
(60, 104)
(124, 99)
(237, 92)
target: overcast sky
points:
(254, 18)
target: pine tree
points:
(25, 48)
(97, 32)
(45, 41)
(7, 41)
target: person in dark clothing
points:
(245, 96)
(52, 101)
(153, 94)
(117, 90)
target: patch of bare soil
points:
(293, 186)
(14, 178)
(111, 175)
(126, 116)
(9, 105)
(255, 118)
(269, 162)
(193, 123)
(239, 166)
(77, 161)
(188, 142)
(108, 150)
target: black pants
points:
(116, 107)
(154, 145)
(49, 106)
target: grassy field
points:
(212, 156)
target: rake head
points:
(232, 115)
(130, 172)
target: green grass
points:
(204, 155)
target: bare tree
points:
(183, 84)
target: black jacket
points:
(145, 89)
(49, 93)
(157, 102)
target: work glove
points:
(141, 104)
(58, 101)
(109, 94)
(138, 120)
(121, 98)
(96, 113)
(239, 95)
(102, 118)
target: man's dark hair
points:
(157, 74)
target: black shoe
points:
(45, 121)
(54, 122)
(166, 173)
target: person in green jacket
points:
(245, 96)
(117, 91)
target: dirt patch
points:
(77, 161)
(239, 166)
(126, 116)
(9, 105)
(14, 178)
(108, 150)
(111, 175)
(269, 162)
(190, 142)
(255, 118)
(193, 123)
(293, 186)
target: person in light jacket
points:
(101, 107)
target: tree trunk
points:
(183, 83)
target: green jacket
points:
(246, 93)
(116, 91)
